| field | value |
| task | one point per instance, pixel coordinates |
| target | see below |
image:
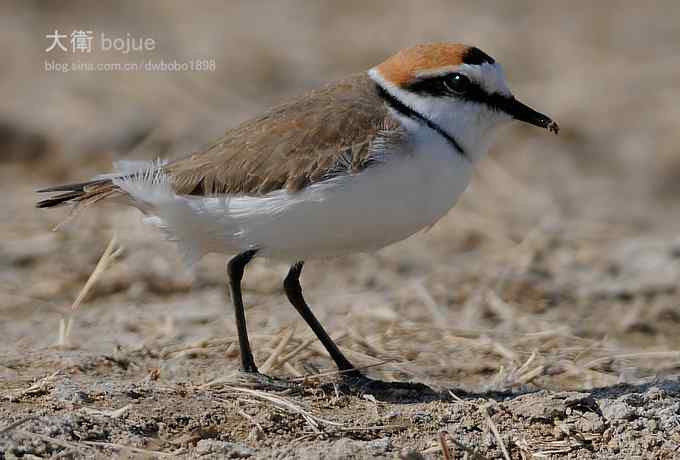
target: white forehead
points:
(489, 76)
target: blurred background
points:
(559, 268)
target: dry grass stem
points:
(272, 360)
(297, 350)
(494, 429)
(314, 422)
(107, 258)
(106, 413)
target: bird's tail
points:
(85, 194)
(145, 186)
(79, 195)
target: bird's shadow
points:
(409, 392)
(415, 393)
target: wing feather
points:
(341, 128)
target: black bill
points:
(523, 112)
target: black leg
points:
(294, 293)
(235, 269)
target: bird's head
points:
(456, 87)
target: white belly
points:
(351, 213)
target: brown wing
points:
(293, 145)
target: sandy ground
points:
(543, 312)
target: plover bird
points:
(355, 166)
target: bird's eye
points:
(457, 83)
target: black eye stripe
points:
(437, 87)
(433, 86)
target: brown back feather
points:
(292, 145)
